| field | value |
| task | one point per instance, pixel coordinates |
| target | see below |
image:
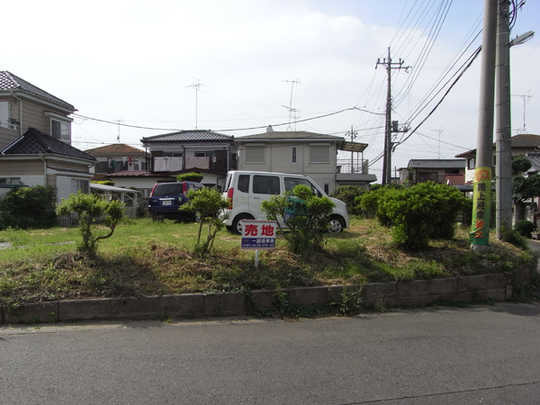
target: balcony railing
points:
(357, 166)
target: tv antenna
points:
(525, 98)
(196, 85)
(290, 107)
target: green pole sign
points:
(481, 206)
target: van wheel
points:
(236, 226)
(336, 224)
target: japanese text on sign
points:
(258, 234)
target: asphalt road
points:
(477, 355)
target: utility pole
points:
(482, 172)
(290, 107)
(387, 157)
(353, 134)
(525, 98)
(196, 86)
(503, 151)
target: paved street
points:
(487, 354)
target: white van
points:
(246, 190)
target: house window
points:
(255, 154)
(61, 130)
(326, 188)
(266, 185)
(79, 185)
(200, 154)
(10, 181)
(4, 114)
(471, 163)
(294, 154)
(320, 154)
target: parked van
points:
(246, 190)
(166, 198)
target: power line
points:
(443, 97)
(353, 108)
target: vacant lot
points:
(145, 257)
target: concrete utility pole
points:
(353, 134)
(387, 157)
(482, 172)
(503, 151)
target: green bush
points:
(466, 211)
(92, 210)
(525, 228)
(349, 194)
(308, 225)
(207, 203)
(421, 212)
(368, 203)
(514, 237)
(192, 176)
(29, 207)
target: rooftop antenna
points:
(290, 107)
(525, 98)
(196, 85)
(118, 133)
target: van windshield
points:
(163, 190)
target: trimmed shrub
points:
(192, 176)
(29, 207)
(92, 210)
(421, 212)
(207, 203)
(368, 203)
(307, 225)
(348, 195)
(525, 228)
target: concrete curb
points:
(414, 293)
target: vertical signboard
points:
(481, 206)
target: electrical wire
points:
(354, 108)
(443, 97)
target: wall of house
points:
(34, 116)
(278, 158)
(29, 172)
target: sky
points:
(134, 61)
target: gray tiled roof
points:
(9, 81)
(436, 164)
(290, 135)
(35, 142)
(194, 135)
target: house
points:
(140, 180)
(118, 157)
(444, 171)
(521, 144)
(203, 151)
(302, 152)
(35, 139)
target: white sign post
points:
(258, 235)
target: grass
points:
(145, 257)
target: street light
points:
(521, 39)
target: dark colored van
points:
(166, 198)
